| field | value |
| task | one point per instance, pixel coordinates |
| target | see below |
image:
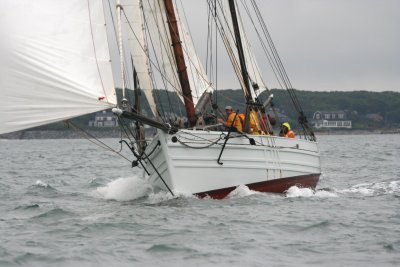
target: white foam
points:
(370, 189)
(124, 189)
(359, 190)
(394, 187)
(159, 197)
(162, 196)
(295, 191)
(324, 194)
(41, 184)
(241, 191)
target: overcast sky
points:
(325, 45)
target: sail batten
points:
(54, 62)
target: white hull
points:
(190, 165)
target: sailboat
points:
(57, 63)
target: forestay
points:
(54, 62)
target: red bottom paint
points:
(273, 186)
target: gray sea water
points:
(70, 203)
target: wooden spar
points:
(180, 62)
(239, 46)
(145, 120)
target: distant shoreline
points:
(116, 133)
(61, 134)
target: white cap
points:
(228, 107)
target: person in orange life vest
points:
(286, 131)
(237, 125)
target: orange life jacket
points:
(237, 124)
(290, 134)
(241, 118)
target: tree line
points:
(356, 104)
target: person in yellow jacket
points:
(230, 116)
(286, 131)
(255, 127)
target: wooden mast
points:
(180, 62)
(239, 46)
(140, 134)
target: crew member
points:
(286, 130)
(230, 117)
(255, 127)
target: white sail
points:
(54, 62)
(198, 79)
(159, 36)
(134, 30)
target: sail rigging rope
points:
(271, 143)
(161, 67)
(157, 64)
(302, 118)
(267, 53)
(186, 52)
(91, 138)
(95, 52)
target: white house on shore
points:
(104, 119)
(331, 119)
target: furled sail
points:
(54, 62)
(134, 30)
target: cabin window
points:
(327, 116)
(341, 116)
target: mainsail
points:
(54, 62)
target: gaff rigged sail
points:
(54, 62)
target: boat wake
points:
(295, 191)
(374, 189)
(131, 188)
(364, 189)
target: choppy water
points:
(69, 203)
